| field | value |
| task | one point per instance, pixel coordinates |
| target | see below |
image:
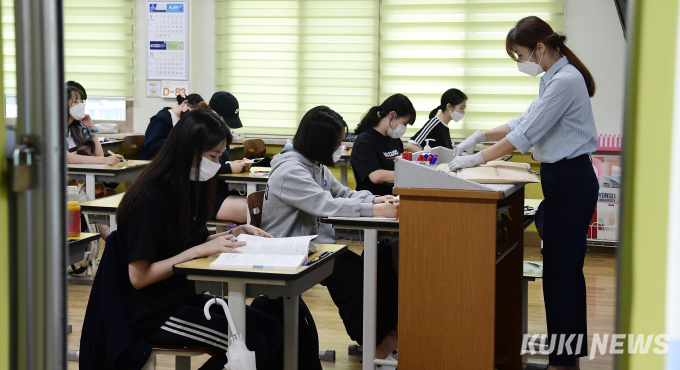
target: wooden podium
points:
(460, 279)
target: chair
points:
(182, 356)
(255, 202)
(133, 146)
(254, 148)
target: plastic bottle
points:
(73, 211)
(289, 143)
(427, 148)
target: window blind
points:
(281, 58)
(98, 48)
(429, 46)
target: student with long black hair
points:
(378, 142)
(162, 222)
(301, 189)
(162, 123)
(452, 107)
(560, 127)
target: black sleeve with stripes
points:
(426, 132)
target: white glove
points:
(468, 145)
(466, 161)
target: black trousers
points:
(346, 287)
(570, 189)
(188, 327)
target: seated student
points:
(301, 189)
(162, 222)
(162, 123)
(82, 141)
(229, 204)
(379, 142)
(452, 107)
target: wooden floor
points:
(600, 272)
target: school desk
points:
(106, 207)
(343, 163)
(389, 229)
(243, 283)
(113, 145)
(370, 226)
(93, 173)
(248, 178)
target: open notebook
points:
(268, 253)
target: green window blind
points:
(97, 46)
(281, 58)
(429, 46)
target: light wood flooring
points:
(600, 272)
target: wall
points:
(649, 115)
(4, 245)
(201, 59)
(595, 35)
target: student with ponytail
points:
(452, 107)
(559, 128)
(378, 142)
(162, 123)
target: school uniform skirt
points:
(570, 189)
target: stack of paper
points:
(267, 253)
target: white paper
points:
(259, 261)
(298, 245)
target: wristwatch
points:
(94, 130)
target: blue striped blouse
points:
(559, 124)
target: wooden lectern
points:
(460, 279)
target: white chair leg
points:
(151, 362)
(182, 363)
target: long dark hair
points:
(531, 30)
(196, 132)
(319, 134)
(398, 103)
(451, 96)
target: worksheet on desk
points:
(298, 245)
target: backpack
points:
(308, 338)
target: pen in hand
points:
(112, 153)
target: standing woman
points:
(452, 107)
(560, 128)
(162, 123)
(378, 142)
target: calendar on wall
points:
(167, 56)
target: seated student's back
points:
(162, 123)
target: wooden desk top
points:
(97, 168)
(201, 266)
(244, 176)
(83, 239)
(346, 153)
(235, 146)
(449, 193)
(109, 204)
(363, 222)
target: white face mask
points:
(337, 154)
(530, 68)
(77, 111)
(456, 115)
(207, 171)
(398, 132)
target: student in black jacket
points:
(162, 123)
(452, 108)
(229, 204)
(379, 142)
(162, 222)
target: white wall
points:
(592, 28)
(595, 35)
(201, 59)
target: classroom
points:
(340, 184)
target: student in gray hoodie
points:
(301, 190)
